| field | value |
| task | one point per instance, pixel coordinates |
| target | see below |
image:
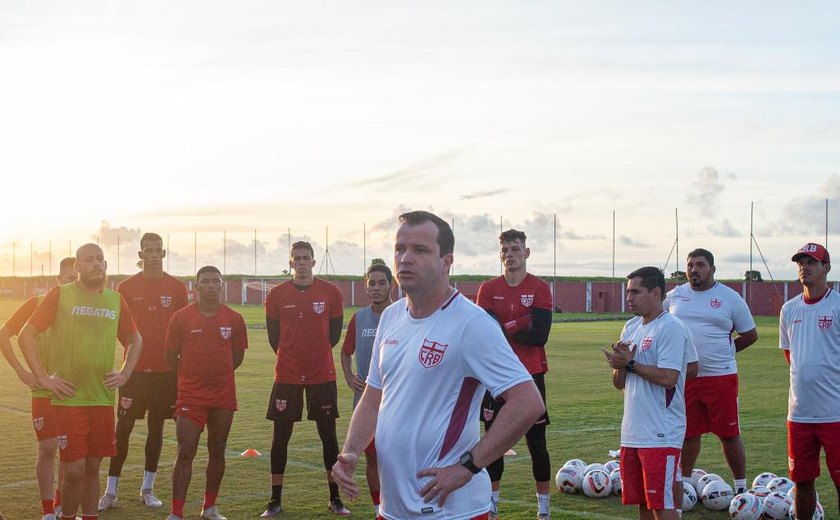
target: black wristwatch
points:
(630, 366)
(467, 461)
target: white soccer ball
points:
(615, 481)
(777, 506)
(792, 494)
(696, 473)
(717, 495)
(745, 507)
(596, 484)
(705, 479)
(576, 462)
(762, 479)
(568, 479)
(612, 465)
(594, 466)
(819, 512)
(689, 496)
(780, 484)
(760, 492)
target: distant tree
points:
(376, 261)
(753, 276)
(679, 276)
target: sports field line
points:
(555, 509)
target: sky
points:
(232, 127)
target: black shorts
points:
(152, 391)
(286, 402)
(490, 407)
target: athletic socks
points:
(111, 487)
(494, 501)
(333, 490)
(544, 503)
(90, 517)
(276, 492)
(178, 507)
(48, 507)
(740, 485)
(148, 480)
(209, 500)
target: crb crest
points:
(527, 299)
(38, 422)
(280, 404)
(225, 332)
(715, 303)
(165, 301)
(125, 402)
(647, 343)
(319, 307)
(487, 413)
(431, 353)
(62, 442)
(824, 322)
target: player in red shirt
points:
(303, 317)
(521, 303)
(43, 416)
(205, 343)
(153, 297)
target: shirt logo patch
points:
(225, 332)
(715, 303)
(527, 299)
(431, 353)
(62, 442)
(38, 422)
(647, 343)
(487, 414)
(280, 404)
(165, 301)
(824, 322)
(319, 307)
(125, 402)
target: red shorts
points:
(371, 449)
(85, 431)
(43, 419)
(197, 414)
(649, 475)
(804, 443)
(711, 405)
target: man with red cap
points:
(809, 335)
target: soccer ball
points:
(777, 505)
(568, 479)
(780, 484)
(717, 495)
(689, 496)
(792, 494)
(596, 484)
(576, 462)
(763, 478)
(594, 466)
(705, 479)
(696, 473)
(745, 507)
(819, 512)
(611, 465)
(760, 492)
(615, 481)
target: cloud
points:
(417, 176)
(484, 193)
(725, 229)
(806, 215)
(704, 192)
(624, 240)
(108, 236)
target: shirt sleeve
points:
(173, 333)
(182, 297)
(45, 314)
(487, 356)
(21, 316)
(337, 305)
(742, 319)
(542, 298)
(666, 303)
(784, 339)
(349, 345)
(482, 298)
(127, 326)
(671, 346)
(271, 306)
(240, 337)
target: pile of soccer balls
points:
(594, 480)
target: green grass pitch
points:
(585, 415)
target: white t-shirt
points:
(653, 416)
(711, 315)
(811, 332)
(433, 373)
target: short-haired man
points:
(358, 340)
(521, 303)
(84, 320)
(650, 362)
(153, 297)
(809, 335)
(43, 415)
(435, 353)
(712, 312)
(205, 343)
(303, 318)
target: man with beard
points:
(153, 297)
(85, 319)
(713, 311)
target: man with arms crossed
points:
(303, 317)
(153, 297)
(205, 343)
(84, 320)
(521, 303)
(809, 335)
(650, 363)
(434, 355)
(712, 311)
(359, 341)
(43, 415)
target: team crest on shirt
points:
(125, 402)
(647, 343)
(715, 303)
(225, 332)
(165, 301)
(824, 322)
(319, 307)
(62, 442)
(38, 422)
(527, 299)
(431, 353)
(487, 414)
(280, 404)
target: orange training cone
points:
(250, 452)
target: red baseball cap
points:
(815, 251)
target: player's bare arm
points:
(335, 330)
(746, 339)
(24, 375)
(691, 370)
(362, 428)
(272, 326)
(355, 383)
(238, 357)
(617, 364)
(117, 378)
(28, 340)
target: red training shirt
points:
(17, 320)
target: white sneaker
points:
(148, 498)
(173, 517)
(107, 501)
(58, 511)
(49, 516)
(212, 513)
